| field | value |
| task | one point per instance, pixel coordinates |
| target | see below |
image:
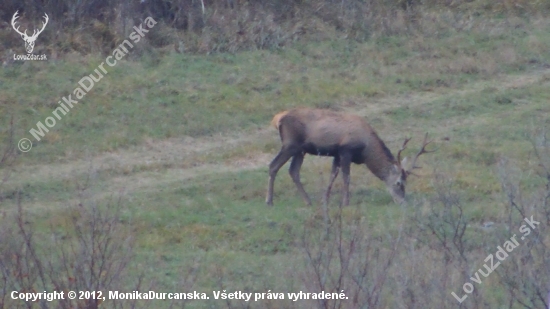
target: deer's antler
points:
(422, 151)
(402, 148)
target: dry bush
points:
(7, 154)
(91, 253)
(442, 255)
(97, 26)
(415, 263)
(243, 28)
(526, 274)
(91, 250)
(347, 258)
(447, 248)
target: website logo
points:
(29, 40)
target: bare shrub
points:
(90, 253)
(85, 247)
(441, 256)
(348, 258)
(525, 275)
(96, 26)
(7, 154)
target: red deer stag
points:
(348, 138)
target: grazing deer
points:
(348, 138)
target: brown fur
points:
(277, 119)
(346, 137)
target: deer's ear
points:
(404, 163)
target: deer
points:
(347, 138)
(29, 40)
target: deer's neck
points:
(379, 160)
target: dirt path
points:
(159, 162)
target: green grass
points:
(461, 94)
(203, 95)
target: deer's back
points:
(324, 129)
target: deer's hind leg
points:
(294, 172)
(282, 157)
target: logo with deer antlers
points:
(29, 40)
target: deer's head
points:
(29, 40)
(397, 179)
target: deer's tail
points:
(277, 119)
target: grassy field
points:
(180, 144)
